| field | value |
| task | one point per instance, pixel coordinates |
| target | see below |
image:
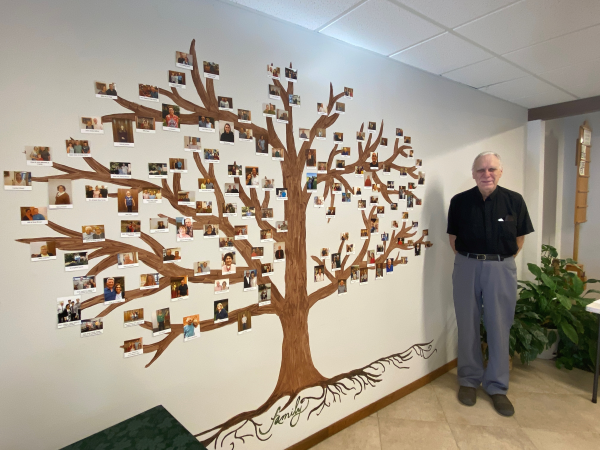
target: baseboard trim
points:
(347, 421)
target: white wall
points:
(56, 387)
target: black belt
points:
(485, 257)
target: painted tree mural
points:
(297, 372)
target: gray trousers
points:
(493, 286)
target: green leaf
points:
(525, 293)
(571, 261)
(592, 280)
(552, 251)
(548, 281)
(569, 331)
(591, 291)
(566, 302)
(534, 270)
(577, 285)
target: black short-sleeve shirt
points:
(489, 226)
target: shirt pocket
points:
(508, 230)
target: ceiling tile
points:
(559, 52)
(519, 88)
(306, 13)
(452, 13)
(591, 89)
(382, 27)
(442, 54)
(583, 73)
(485, 73)
(549, 97)
(530, 22)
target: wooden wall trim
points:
(347, 421)
(566, 109)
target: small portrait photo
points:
(266, 236)
(84, 284)
(91, 327)
(273, 72)
(38, 156)
(345, 152)
(277, 154)
(133, 317)
(159, 225)
(122, 132)
(395, 225)
(105, 90)
(383, 142)
(337, 188)
(157, 170)
(179, 288)
(415, 225)
(177, 165)
(233, 170)
(380, 210)
(264, 294)
(184, 60)
(364, 233)
(262, 145)
(330, 211)
(245, 134)
(127, 201)
(372, 127)
(291, 74)
(185, 229)
(376, 187)
(257, 252)
(92, 233)
(244, 116)
(405, 215)
(206, 124)
(266, 213)
(204, 208)
(412, 185)
(324, 252)
(338, 136)
(186, 198)
(145, 124)
(226, 132)
(399, 132)
(304, 134)
(151, 196)
(225, 103)
(401, 241)
(421, 179)
(279, 251)
(252, 174)
(281, 226)
(232, 190)
(379, 249)
(221, 308)
(390, 185)
(228, 263)
(42, 250)
(370, 258)
(114, 290)
(364, 275)
(374, 161)
(402, 171)
(201, 268)
(76, 261)
(294, 100)
(311, 182)
(191, 327)
(321, 134)
(269, 110)
(191, 143)
(266, 269)
(161, 322)
(311, 157)
(409, 201)
(148, 92)
(373, 200)
(221, 286)
(21, 181)
(359, 171)
(244, 321)
(127, 259)
(336, 262)
(282, 116)
(248, 212)
(319, 201)
(281, 193)
(321, 110)
(379, 267)
(342, 287)
(79, 148)
(119, 169)
(340, 107)
(133, 347)
(349, 93)
(362, 204)
(404, 260)
(319, 272)
(344, 236)
(425, 232)
(360, 135)
(340, 164)
(211, 231)
(321, 167)
(149, 281)
(211, 70)
(389, 265)
(419, 162)
(171, 254)
(368, 181)
(250, 280)
(176, 79)
(274, 92)
(393, 206)
(206, 185)
(92, 125)
(374, 225)
(354, 274)
(407, 140)
(241, 232)
(418, 249)
(170, 117)
(229, 209)
(357, 190)
(350, 249)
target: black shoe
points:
(467, 395)
(503, 405)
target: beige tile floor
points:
(552, 411)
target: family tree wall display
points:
(300, 387)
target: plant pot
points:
(550, 353)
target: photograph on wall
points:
(148, 92)
(184, 228)
(346, 197)
(364, 275)
(321, 167)
(311, 157)
(248, 212)
(157, 170)
(42, 250)
(38, 156)
(186, 198)
(133, 317)
(245, 134)
(359, 171)
(321, 109)
(97, 193)
(264, 294)
(291, 74)
(206, 124)
(252, 176)
(120, 169)
(319, 201)
(250, 280)
(127, 202)
(348, 93)
(77, 148)
(221, 286)
(266, 235)
(354, 274)
(368, 181)
(191, 327)
(279, 252)
(262, 146)
(383, 143)
(226, 244)
(201, 268)
(179, 288)
(350, 249)
(212, 155)
(244, 321)
(91, 125)
(257, 252)
(211, 231)
(105, 90)
(336, 262)
(360, 135)
(421, 179)
(244, 116)
(389, 265)
(304, 134)
(340, 107)
(92, 327)
(324, 252)
(221, 308)
(152, 195)
(122, 132)
(230, 210)
(370, 258)
(127, 259)
(114, 290)
(342, 286)
(184, 60)
(171, 117)
(226, 135)
(159, 225)
(228, 263)
(338, 136)
(282, 116)
(232, 190)
(145, 124)
(191, 144)
(266, 269)
(408, 140)
(399, 132)
(149, 281)
(161, 322)
(268, 184)
(340, 164)
(178, 165)
(84, 284)
(319, 272)
(294, 100)
(92, 233)
(176, 79)
(204, 208)
(273, 72)
(241, 232)
(133, 347)
(274, 92)
(211, 70)
(75, 261)
(234, 170)
(337, 188)
(206, 185)
(281, 194)
(171, 255)
(269, 110)
(19, 181)
(379, 268)
(330, 212)
(225, 103)
(321, 134)
(68, 311)
(362, 204)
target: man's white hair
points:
(485, 154)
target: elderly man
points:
(109, 291)
(487, 226)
